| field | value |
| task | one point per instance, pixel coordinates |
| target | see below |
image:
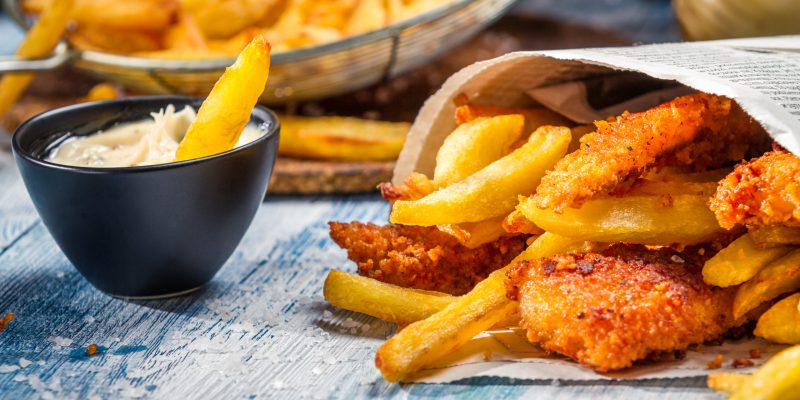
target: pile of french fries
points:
(198, 29)
(486, 169)
(765, 263)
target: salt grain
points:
(88, 319)
(676, 258)
(60, 341)
(327, 314)
(278, 385)
(20, 378)
(316, 371)
(60, 274)
(330, 360)
(36, 383)
(24, 362)
(7, 368)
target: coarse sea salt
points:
(8, 368)
(88, 319)
(60, 341)
(23, 362)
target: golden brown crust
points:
(700, 130)
(609, 310)
(421, 257)
(763, 191)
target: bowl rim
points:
(278, 58)
(272, 131)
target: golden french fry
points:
(778, 277)
(414, 187)
(427, 340)
(768, 236)
(382, 300)
(140, 15)
(777, 379)
(341, 138)
(225, 112)
(369, 15)
(474, 234)
(684, 174)
(223, 19)
(739, 262)
(517, 223)
(727, 382)
(474, 145)
(534, 117)
(185, 35)
(650, 220)
(101, 91)
(41, 39)
(121, 41)
(492, 191)
(781, 323)
(671, 188)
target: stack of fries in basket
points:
(641, 234)
(187, 29)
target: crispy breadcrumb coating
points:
(611, 309)
(421, 257)
(763, 191)
(700, 130)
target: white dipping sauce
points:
(132, 144)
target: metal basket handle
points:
(61, 55)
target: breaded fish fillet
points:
(608, 310)
(700, 130)
(421, 257)
(763, 191)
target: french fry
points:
(101, 91)
(778, 277)
(671, 188)
(490, 192)
(427, 340)
(474, 145)
(650, 220)
(777, 379)
(781, 323)
(739, 262)
(225, 112)
(151, 15)
(369, 15)
(414, 187)
(382, 300)
(185, 35)
(534, 117)
(516, 223)
(122, 41)
(769, 236)
(341, 138)
(41, 39)
(727, 382)
(223, 19)
(474, 234)
(683, 174)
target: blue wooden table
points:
(261, 329)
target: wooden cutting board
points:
(397, 99)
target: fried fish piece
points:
(421, 257)
(700, 130)
(607, 310)
(763, 191)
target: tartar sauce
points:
(148, 142)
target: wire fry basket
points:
(298, 75)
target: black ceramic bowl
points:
(148, 231)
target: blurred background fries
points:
(187, 29)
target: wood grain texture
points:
(260, 330)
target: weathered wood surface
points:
(260, 329)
